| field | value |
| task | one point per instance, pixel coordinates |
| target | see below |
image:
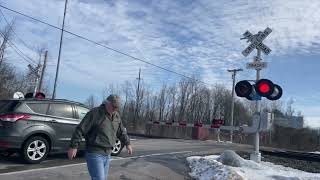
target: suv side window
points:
(82, 112)
(40, 108)
(61, 110)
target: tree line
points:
(188, 101)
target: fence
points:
(279, 137)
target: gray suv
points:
(35, 128)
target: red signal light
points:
(264, 87)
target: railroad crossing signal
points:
(262, 88)
(256, 41)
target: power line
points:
(24, 56)
(19, 53)
(102, 45)
(12, 29)
(17, 50)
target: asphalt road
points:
(152, 159)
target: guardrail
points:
(183, 124)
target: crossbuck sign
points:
(256, 42)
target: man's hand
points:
(129, 148)
(72, 153)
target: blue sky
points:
(191, 37)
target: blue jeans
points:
(98, 165)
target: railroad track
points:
(293, 154)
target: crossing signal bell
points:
(263, 87)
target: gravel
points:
(308, 166)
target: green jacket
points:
(100, 130)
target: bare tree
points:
(11, 81)
(151, 107)
(162, 100)
(91, 101)
(5, 39)
(250, 106)
(111, 89)
(210, 105)
(204, 112)
(241, 114)
(172, 100)
(218, 99)
(140, 99)
(276, 105)
(127, 92)
(183, 97)
(290, 110)
(8, 76)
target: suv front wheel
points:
(35, 149)
(117, 148)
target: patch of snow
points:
(209, 167)
(315, 152)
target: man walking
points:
(100, 127)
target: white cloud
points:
(312, 122)
(177, 35)
(197, 37)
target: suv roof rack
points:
(49, 99)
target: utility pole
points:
(58, 64)
(42, 71)
(234, 72)
(138, 98)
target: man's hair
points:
(114, 100)
(105, 102)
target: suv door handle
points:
(54, 121)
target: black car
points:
(35, 128)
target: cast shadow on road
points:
(18, 159)
(176, 163)
(15, 162)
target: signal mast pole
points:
(234, 72)
(256, 43)
(256, 156)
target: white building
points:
(290, 121)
